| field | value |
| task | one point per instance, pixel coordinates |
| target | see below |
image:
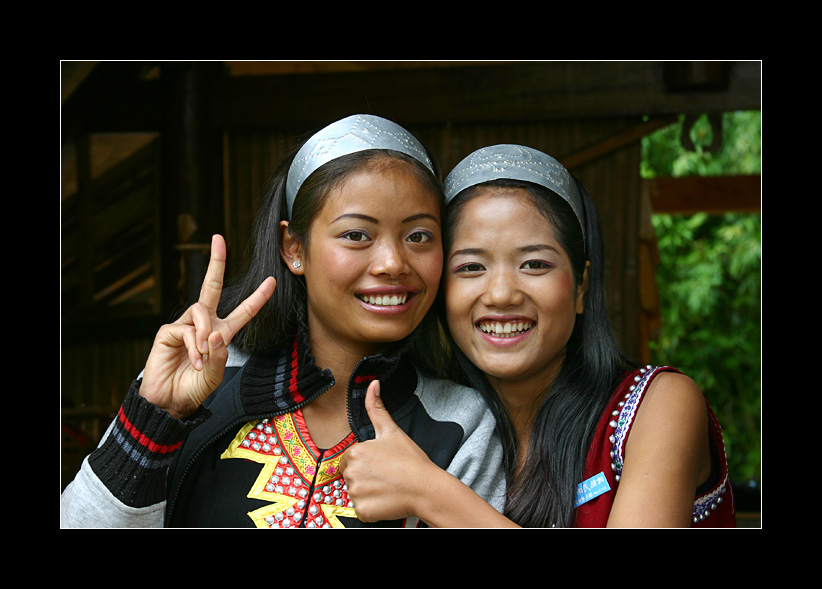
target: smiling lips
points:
(385, 300)
(505, 329)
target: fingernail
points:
(218, 341)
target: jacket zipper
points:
(351, 378)
(172, 499)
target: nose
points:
(390, 260)
(503, 290)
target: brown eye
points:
(420, 237)
(534, 265)
(355, 236)
(469, 268)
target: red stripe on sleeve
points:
(142, 439)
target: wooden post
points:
(191, 172)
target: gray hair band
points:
(349, 135)
(515, 162)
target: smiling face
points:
(510, 291)
(373, 260)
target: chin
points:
(506, 367)
(503, 373)
(388, 334)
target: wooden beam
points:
(715, 194)
(634, 133)
(501, 92)
(114, 97)
(85, 221)
(508, 92)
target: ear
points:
(291, 250)
(582, 289)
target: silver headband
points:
(349, 135)
(515, 162)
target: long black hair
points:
(278, 320)
(543, 493)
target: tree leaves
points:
(709, 280)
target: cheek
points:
(331, 266)
(458, 305)
(558, 309)
(565, 291)
(429, 267)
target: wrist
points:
(132, 459)
(432, 494)
(153, 395)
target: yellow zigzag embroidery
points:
(295, 454)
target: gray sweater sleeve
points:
(87, 503)
(123, 482)
(478, 463)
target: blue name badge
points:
(593, 487)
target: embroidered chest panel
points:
(304, 488)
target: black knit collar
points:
(287, 377)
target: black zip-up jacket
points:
(180, 474)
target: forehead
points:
(384, 189)
(501, 213)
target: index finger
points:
(248, 309)
(213, 282)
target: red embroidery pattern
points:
(304, 488)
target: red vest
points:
(713, 507)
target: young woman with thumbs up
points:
(590, 440)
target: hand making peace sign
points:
(188, 358)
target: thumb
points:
(380, 418)
(215, 361)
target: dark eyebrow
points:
(472, 251)
(376, 222)
(356, 216)
(536, 248)
(421, 216)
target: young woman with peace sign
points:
(253, 435)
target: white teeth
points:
(507, 329)
(384, 300)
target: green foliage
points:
(709, 279)
(740, 151)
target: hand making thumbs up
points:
(390, 477)
(386, 476)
